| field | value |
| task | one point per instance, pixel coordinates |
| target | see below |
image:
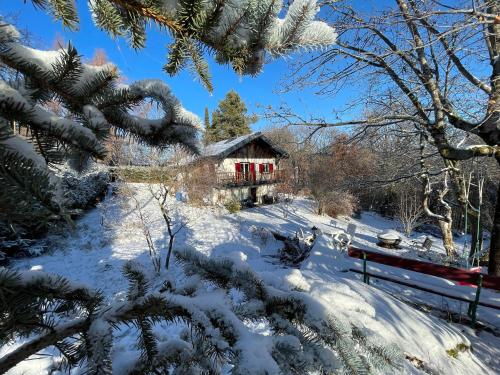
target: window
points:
(245, 171)
(266, 168)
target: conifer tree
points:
(207, 118)
(209, 131)
(92, 102)
(230, 118)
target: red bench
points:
(450, 273)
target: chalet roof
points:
(224, 148)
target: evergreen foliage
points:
(206, 121)
(77, 321)
(33, 138)
(229, 119)
(237, 32)
(93, 102)
(51, 311)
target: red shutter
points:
(261, 168)
(271, 167)
(252, 171)
(237, 168)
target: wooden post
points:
(366, 278)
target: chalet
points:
(246, 167)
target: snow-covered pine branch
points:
(304, 336)
(238, 32)
(93, 103)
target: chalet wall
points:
(239, 193)
(227, 165)
(257, 152)
(256, 148)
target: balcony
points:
(247, 179)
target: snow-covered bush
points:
(303, 337)
(82, 191)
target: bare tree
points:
(285, 194)
(409, 210)
(433, 65)
(145, 223)
(300, 149)
(174, 222)
(335, 172)
(153, 253)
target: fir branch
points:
(238, 33)
(150, 12)
(65, 10)
(107, 17)
(304, 339)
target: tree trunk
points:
(494, 255)
(171, 236)
(475, 245)
(169, 252)
(320, 207)
(447, 236)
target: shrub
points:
(78, 192)
(199, 179)
(81, 192)
(336, 203)
(459, 348)
(234, 205)
(136, 174)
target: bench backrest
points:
(351, 229)
(427, 243)
(444, 272)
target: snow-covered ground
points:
(111, 234)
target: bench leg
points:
(473, 305)
(366, 277)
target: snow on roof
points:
(224, 148)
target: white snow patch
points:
(109, 235)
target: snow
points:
(172, 109)
(389, 235)
(8, 33)
(95, 117)
(109, 235)
(46, 60)
(19, 146)
(225, 147)
(67, 129)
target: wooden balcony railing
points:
(242, 179)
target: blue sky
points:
(148, 62)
